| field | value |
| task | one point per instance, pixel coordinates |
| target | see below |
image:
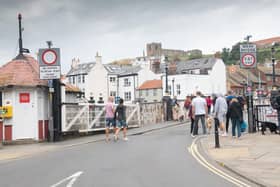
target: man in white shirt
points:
(199, 112)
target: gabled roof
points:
(122, 70)
(202, 63)
(151, 84)
(182, 66)
(81, 69)
(21, 72)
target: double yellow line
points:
(195, 153)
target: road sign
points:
(248, 56)
(49, 61)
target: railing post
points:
(217, 142)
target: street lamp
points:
(173, 80)
(166, 74)
(273, 66)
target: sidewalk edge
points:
(235, 171)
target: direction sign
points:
(248, 56)
(49, 61)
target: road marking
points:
(73, 178)
(193, 150)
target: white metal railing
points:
(85, 117)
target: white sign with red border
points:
(248, 56)
(49, 61)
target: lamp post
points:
(166, 75)
(273, 66)
(173, 92)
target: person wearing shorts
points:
(121, 120)
(109, 117)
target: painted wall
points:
(215, 82)
(148, 95)
(26, 114)
(97, 82)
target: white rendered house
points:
(207, 75)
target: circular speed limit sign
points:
(49, 57)
(248, 60)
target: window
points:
(69, 80)
(127, 82)
(79, 78)
(178, 89)
(127, 96)
(112, 79)
(113, 93)
(140, 93)
(83, 78)
(268, 78)
(147, 92)
(73, 80)
(155, 92)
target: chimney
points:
(98, 59)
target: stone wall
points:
(151, 113)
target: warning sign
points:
(248, 55)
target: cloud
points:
(121, 28)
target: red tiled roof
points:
(71, 88)
(267, 41)
(151, 84)
(21, 72)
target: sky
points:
(118, 29)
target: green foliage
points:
(233, 56)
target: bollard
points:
(217, 143)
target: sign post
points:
(248, 60)
(49, 61)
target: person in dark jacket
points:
(121, 120)
(235, 113)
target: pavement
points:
(12, 152)
(255, 157)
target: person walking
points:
(109, 117)
(199, 112)
(209, 103)
(220, 111)
(235, 113)
(121, 120)
(190, 114)
(229, 97)
(187, 105)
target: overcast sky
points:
(121, 28)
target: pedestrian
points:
(121, 120)
(187, 104)
(235, 113)
(109, 117)
(209, 103)
(175, 110)
(229, 97)
(199, 112)
(221, 108)
(190, 114)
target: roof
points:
(267, 41)
(202, 63)
(151, 84)
(21, 72)
(268, 70)
(71, 88)
(122, 70)
(237, 74)
(80, 69)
